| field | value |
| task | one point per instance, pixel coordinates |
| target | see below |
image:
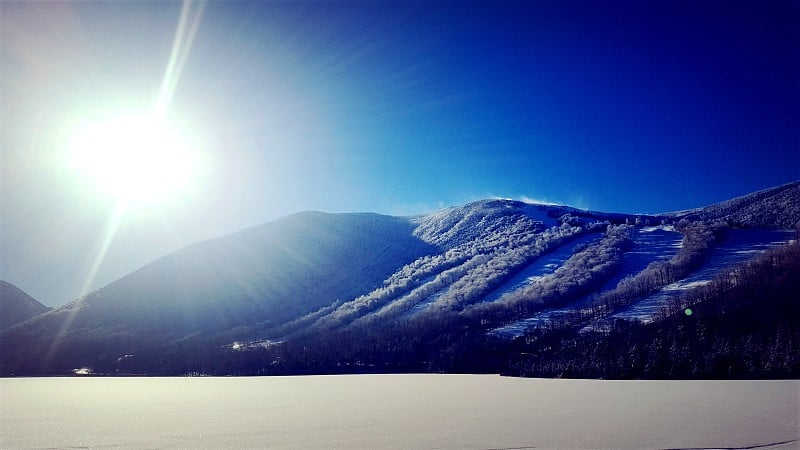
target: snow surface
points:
(541, 266)
(650, 244)
(540, 212)
(396, 411)
(423, 305)
(738, 246)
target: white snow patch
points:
(540, 213)
(541, 267)
(253, 345)
(650, 229)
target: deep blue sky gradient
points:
(642, 106)
(392, 107)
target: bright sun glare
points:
(136, 159)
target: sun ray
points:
(184, 38)
(107, 238)
(93, 153)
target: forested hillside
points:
(741, 326)
(744, 324)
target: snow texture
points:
(396, 411)
(649, 244)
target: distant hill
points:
(16, 306)
(262, 276)
(776, 207)
(328, 293)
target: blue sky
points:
(391, 107)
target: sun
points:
(136, 159)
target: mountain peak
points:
(17, 306)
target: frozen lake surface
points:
(396, 411)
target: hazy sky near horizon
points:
(391, 107)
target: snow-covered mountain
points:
(776, 207)
(265, 275)
(17, 306)
(498, 268)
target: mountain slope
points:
(321, 293)
(264, 275)
(776, 207)
(16, 306)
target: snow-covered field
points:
(396, 411)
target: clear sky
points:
(390, 107)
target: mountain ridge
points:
(314, 274)
(774, 207)
(16, 306)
